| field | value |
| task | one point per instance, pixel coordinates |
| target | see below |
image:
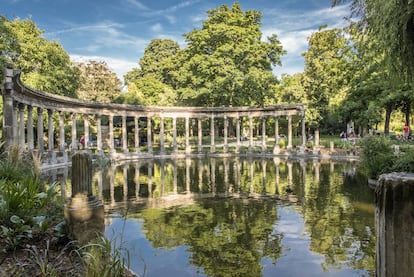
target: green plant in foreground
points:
(376, 155)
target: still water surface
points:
(240, 217)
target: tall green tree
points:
(328, 70)
(45, 65)
(226, 63)
(98, 82)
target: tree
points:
(392, 25)
(45, 65)
(226, 63)
(98, 82)
(327, 74)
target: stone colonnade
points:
(21, 103)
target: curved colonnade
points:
(21, 103)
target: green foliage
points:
(403, 162)
(45, 65)
(377, 155)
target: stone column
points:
(264, 147)
(394, 219)
(84, 214)
(200, 135)
(237, 134)
(22, 139)
(15, 123)
(226, 127)
(250, 133)
(124, 134)
(40, 144)
(61, 131)
(136, 134)
(174, 134)
(74, 144)
(111, 134)
(316, 146)
(212, 146)
(276, 147)
(162, 147)
(50, 130)
(30, 134)
(99, 148)
(187, 135)
(86, 130)
(289, 146)
(8, 120)
(149, 135)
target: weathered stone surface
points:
(395, 225)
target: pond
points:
(239, 217)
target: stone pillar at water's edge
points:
(394, 219)
(84, 214)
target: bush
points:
(376, 155)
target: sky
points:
(118, 31)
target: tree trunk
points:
(388, 111)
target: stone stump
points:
(84, 214)
(394, 219)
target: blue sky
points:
(118, 31)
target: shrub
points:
(376, 155)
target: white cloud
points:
(156, 28)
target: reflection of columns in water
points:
(213, 176)
(237, 172)
(316, 165)
(276, 161)
(187, 174)
(200, 175)
(125, 183)
(303, 168)
(112, 183)
(290, 173)
(150, 179)
(30, 135)
(137, 182)
(226, 176)
(175, 176)
(264, 163)
(162, 168)
(251, 165)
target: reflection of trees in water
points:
(340, 218)
(337, 206)
(224, 237)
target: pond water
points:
(240, 217)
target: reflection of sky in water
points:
(296, 259)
